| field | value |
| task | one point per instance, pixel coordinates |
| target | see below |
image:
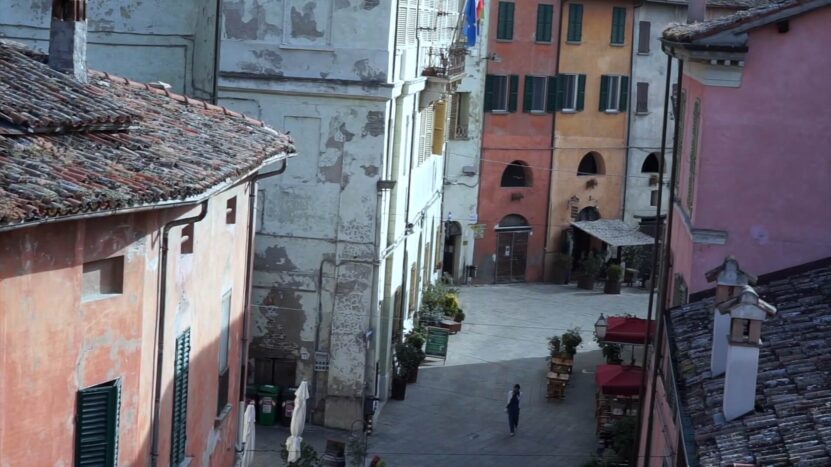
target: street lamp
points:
(600, 327)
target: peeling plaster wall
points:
(55, 343)
(144, 40)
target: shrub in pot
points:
(408, 358)
(613, 276)
(460, 316)
(561, 268)
(588, 270)
(571, 339)
(555, 345)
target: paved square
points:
(455, 414)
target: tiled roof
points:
(691, 32)
(792, 423)
(174, 148)
(729, 4)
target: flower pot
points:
(585, 282)
(399, 388)
(612, 287)
(412, 375)
(559, 275)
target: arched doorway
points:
(512, 248)
(582, 240)
(452, 249)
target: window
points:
(618, 25)
(102, 278)
(224, 345)
(643, 36)
(575, 22)
(614, 93)
(516, 174)
(439, 126)
(693, 155)
(682, 110)
(231, 211)
(535, 94)
(459, 115)
(651, 164)
(181, 369)
(501, 93)
(642, 106)
(545, 13)
(505, 23)
(413, 290)
(187, 240)
(653, 198)
(591, 164)
(96, 425)
(570, 93)
(426, 135)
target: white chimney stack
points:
(696, 10)
(68, 38)
(747, 312)
(730, 280)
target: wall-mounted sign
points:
(478, 231)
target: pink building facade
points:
(752, 172)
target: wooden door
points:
(511, 256)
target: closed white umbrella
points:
(298, 421)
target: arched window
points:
(512, 221)
(591, 164)
(589, 213)
(651, 164)
(516, 174)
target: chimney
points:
(696, 9)
(68, 38)
(747, 312)
(730, 280)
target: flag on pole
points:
(471, 21)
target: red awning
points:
(618, 380)
(625, 330)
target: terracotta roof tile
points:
(165, 149)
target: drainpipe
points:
(160, 325)
(217, 43)
(657, 244)
(662, 294)
(632, 86)
(249, 266)
(548, 248)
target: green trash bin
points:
(268, 397)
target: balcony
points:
(446, 64)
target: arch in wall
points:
(651, 164)
(512, 221)
(591, 164)
(516, 174)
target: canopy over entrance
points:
(614, 232)
(627, 330)
(618, 380)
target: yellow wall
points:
(578, 133)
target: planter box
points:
(412, 376)
(612, 287)
(586, 283)
(399, 389)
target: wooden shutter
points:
(512, 97)
(488, 104)
(618, 25)
(604, 93)
(551, 101)
(575, 22)
(439, 125)
(96, 428)
(527, 97)
(581, 91)
(510, 24)
(505, 22)
(624, 93)
(560, 92)
(643, 93)
(544, 14)
(181, 370)
(643, 36)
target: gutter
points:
(632, 86)
(249, 266)
(160, 326)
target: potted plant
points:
(613, 276)
(554, 345)
(588, 270)
(409, 358)
(561, 268)
(571, 339)
(460, 316)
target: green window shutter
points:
(551, 101)
(604, 93)
(581, 91)
(575, 22)
(96, 428)
(505, 22)
(618, 25)
(512, 97)
(488, 104)
(561, 92)
(544, 19)
(180, 399)
(500, 21)
(510, 25)
(624, 93)
(527, 95)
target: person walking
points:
(512, 408)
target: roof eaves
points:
(686, 427)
